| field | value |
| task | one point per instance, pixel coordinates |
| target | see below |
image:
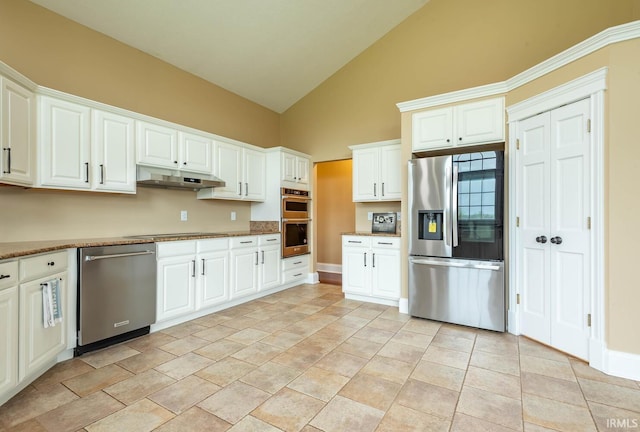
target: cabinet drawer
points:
(356, 241)
(296, 262)
(8, 274)
(385, 242)
(240, 242)
(175, 248)
(213, 245)
(295, 274)
(42, 265)
(269, 239)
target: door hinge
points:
(589, 222)
(517, 298)
(517, 221)
(588, 320)
(518, 144)
(588, 125)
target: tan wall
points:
(335, 211)
(51, 215)
(58, 53)
(446, 45)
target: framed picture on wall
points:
(383, 223)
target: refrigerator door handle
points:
(454, 210)
(446, 231)
(453, 264)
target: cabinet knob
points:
(460, 139)
(184, 163)
(542, 239)
(556, 240)
(175, 162)
(51, 263)
(448, 140)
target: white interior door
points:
(569, 243)
(534, 213)
(553, 251)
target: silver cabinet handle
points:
(296, 275)
(365, 259)
(273, 239)
(262, 257)
(385, 243)
(202, 267)
(382, 188)
(375, 190)
(86, 172)
(297, 262)
(256, 257)
(101, 174)
(246, 242)
(246, 189)
(8, 150)
(374, 260)
(193, 270)
(240, 187)
(4, 276)
(99, 257)
(354, 241)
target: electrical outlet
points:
(369, 215)
(183, 215)
(233, 215)
(399, 216)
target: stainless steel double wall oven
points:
(296, 208)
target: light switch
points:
(183, 215)
(369, 215)
(233, 215)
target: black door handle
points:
(542, 239)
(556, 240)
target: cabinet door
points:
(39, 346)
(8, 338)
(390, 173)
(269, 267)
(289, 167)
(356, 270)
(432, 129)
(302, 171)
(65, 142)
(17, 163)
(480, 122)
(255, 175)
(365, 175)
(176, 286)
(228, 166)
(385, 273)
(196, 153)
(244, 272)
(114, 165)
(157, 145)
(214, 278)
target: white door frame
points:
(590, 86)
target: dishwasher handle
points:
(453, 264)
(99, 257)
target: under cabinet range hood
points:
(172, 179)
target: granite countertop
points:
(370, 234)
(18, 249)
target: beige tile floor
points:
(307, 359)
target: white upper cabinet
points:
(377, 171)
(195, 153)
(295, 171)
(243, 170)
(65, 144)
(17, 123)
(157, 145)
(113, 152)
(466, 124)
(85, 149)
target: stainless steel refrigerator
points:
(456, 267)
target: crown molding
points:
(605, 38)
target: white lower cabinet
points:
(244, 266)
(8, 326)
(295, 269)
(212, 286)
(176, 279)
(371, 268)
(270, 256)
(39, 346)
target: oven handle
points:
(99, 257)
(296, 220)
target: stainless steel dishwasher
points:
(116, 294)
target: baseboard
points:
(329, 268)
(369, 299)
(312, 278)
(622, 364)
(403, 306)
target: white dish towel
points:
(51, 310)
